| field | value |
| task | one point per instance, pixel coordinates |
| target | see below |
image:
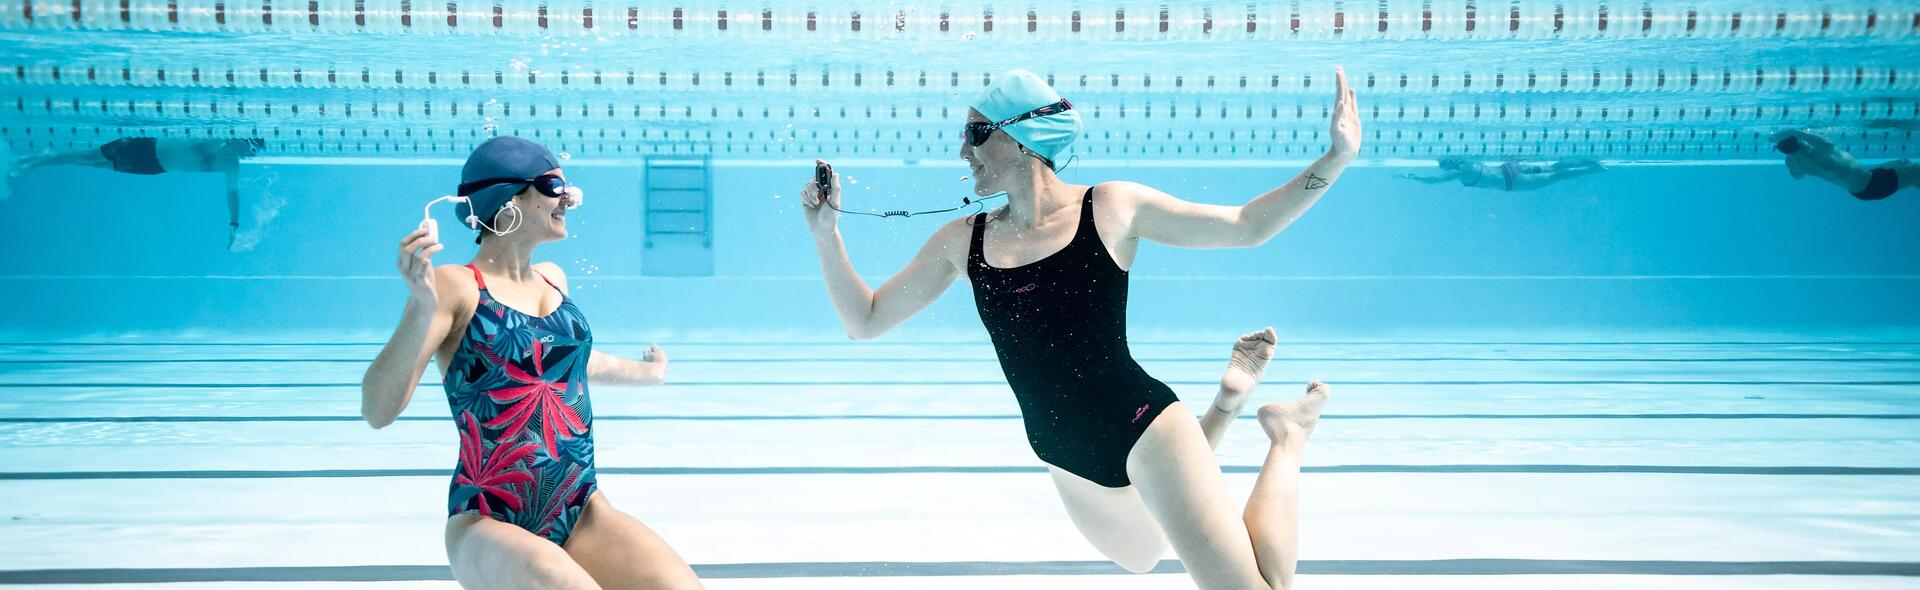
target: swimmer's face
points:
(992, 162)
(546, 217)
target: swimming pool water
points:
(1688, 371)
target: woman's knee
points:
(1139, 562)
(1115, 522)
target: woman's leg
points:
(621, 552)
(1182, 486)
(1273, 510)
(487, 554)
(1244, 367)
(1114, 520)
(1180, 482)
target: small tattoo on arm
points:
(1315, 182)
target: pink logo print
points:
(1029, 287)
(1140, 412)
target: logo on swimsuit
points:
(1141, 412)
(1028, 288)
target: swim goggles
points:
(978, 132)
(551, 185)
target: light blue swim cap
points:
(1015, 93)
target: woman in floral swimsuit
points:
(516, 355)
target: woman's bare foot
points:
(1244, 368)
(1290, 423)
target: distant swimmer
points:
(1509, 175)
(1809, 154)
(153, 156)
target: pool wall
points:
(1727, 248)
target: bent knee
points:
(1137, 560)
(1138, 565)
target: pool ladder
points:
(678, 217)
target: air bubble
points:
(564, 156)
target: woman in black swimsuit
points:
(1049, 272)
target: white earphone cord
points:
(473, 221)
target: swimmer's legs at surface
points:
(1531, 181)
(89, 158)
(1578, 163)
(488, 554)
(1568, 173)
(1244, 367)
(17, 168)
(622, 553)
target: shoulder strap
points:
(476, 276)
(549, 281)
(1086, 207)
(979, 236)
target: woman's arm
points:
(608, 369)
(1448, 176)
(866, 313)
(389, 382)
(1169, 220)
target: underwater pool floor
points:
(228, 464)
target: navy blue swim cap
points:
(501, 157)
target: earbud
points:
(512, 227)
(473, 221)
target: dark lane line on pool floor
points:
(1409, 359)
(1347, 567)
(207, 474)
(1286, 343)
(317, 385)
(818, 417)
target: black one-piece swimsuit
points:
(1059, 326)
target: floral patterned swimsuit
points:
(518, 390)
